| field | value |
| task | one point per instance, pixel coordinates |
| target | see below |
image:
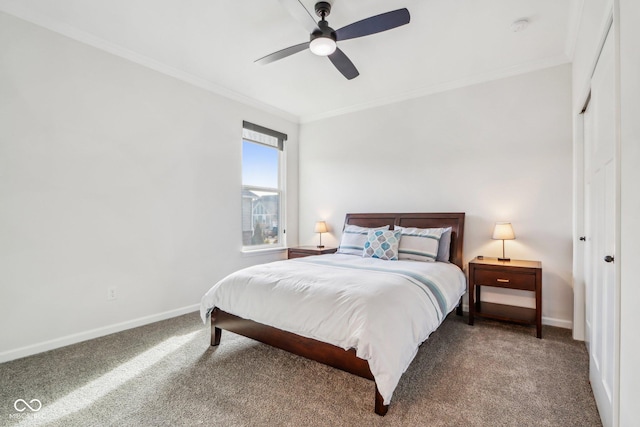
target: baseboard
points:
(30, 350)
(565, 324)
(551, 321)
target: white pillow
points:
(419, 244)
(353, 239)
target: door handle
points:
(608, 258)
(583, 239)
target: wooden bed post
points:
(216, 333)
(380, 409)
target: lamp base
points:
(320, 246)
(504, 259)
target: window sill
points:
(262, 251)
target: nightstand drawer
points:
(303, 251)
(505, 279)
(297, 254)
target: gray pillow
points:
(443, 248)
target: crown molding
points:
(117, 50)
(443, 87)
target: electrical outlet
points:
(111, 293)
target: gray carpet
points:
(165, 374)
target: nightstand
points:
(514, 274)
(303, 251)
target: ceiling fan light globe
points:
(322, 46)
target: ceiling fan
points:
(323, 39)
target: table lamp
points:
(321, 227)
(503, 231)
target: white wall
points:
(629, 34)
(112, 175)
(629, 209)
(498, 151)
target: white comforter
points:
(383, 309)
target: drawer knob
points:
(502, 280)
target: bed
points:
(372, 350)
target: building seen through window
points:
(262, 189)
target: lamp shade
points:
(321, 227)
(503, 231)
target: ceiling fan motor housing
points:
(324, 30)
(323, 9)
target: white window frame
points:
(260, 135)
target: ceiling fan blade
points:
(344, 64)
(374, 24)
(301, 14)
(282, 53)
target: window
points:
(262, 187)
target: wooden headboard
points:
(419, 220)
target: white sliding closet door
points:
(602, 295)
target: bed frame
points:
(327, 353)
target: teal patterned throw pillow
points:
(354, 238)
(382, 244)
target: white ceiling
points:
(214, 43)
